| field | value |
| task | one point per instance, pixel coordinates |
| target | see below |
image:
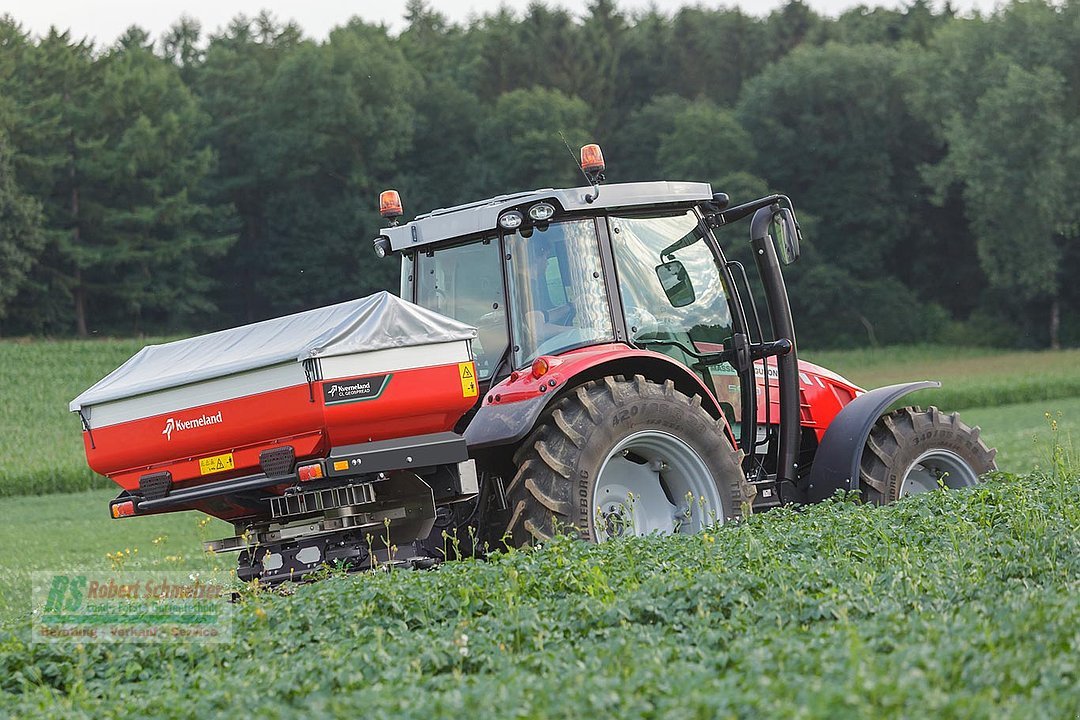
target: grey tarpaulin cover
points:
(375, 322)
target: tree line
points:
(199, 181)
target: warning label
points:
(218, 463)
(468, 379)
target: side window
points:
(407, 264)
(672, 292)
(556, 286)
(466, 283)
(557, 293)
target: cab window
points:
(557, 292)
(466, 283)
(672, 292)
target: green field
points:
(41, 445)
(73, 530)
(970, 377)
(949, 604)
(40, 441)
(69, 531)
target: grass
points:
(1021, 432)
(40, 441)
(68, 531)
(971, 377)
(949, 604)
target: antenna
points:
(575, 158)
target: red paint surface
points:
(569, 365)
(414, 402)
(822, 393)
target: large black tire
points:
(559, 463)
(911, 450)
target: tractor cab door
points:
(465, 282)
(673, 296)
(558, 298)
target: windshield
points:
(466, 283)
(558, 298)
(674, 297)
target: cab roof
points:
(480, 218)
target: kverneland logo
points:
(346, 390)
(178, 425)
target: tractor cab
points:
(636, 378)
(547, 274)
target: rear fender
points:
(520, 404)
(836, 463)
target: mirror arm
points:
(684, 242)
(734, 214)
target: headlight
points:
(541, 212)
(511, 220)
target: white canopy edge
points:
(376, 322)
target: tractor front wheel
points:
(623, 457)
(912, 451)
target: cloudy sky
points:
(104, 20)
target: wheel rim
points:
(936, 467)
(653, 482)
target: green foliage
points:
(915, 23)
(836, 309)
(832, 130)
(716, 53)
(719, 145)
(141, 224)
(522, 146)
(1014, 166)
(948, 604)
(633, 154)
(20, 232)
(110, 146)
(935, 201)
(232, 85)
(47, 88)
(335, 123)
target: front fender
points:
(512, 408)
(837, 460)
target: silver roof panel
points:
(479, 217)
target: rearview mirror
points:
(676, 283)
(785, 230)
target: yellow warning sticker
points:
(218, 463)
(467, 371)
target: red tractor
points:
(587, 359)
(631, 384)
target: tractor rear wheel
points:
(623, 457)
(913, 451)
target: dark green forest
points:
(202, 180)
